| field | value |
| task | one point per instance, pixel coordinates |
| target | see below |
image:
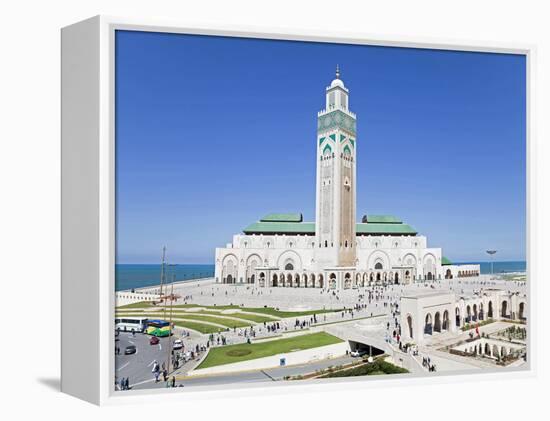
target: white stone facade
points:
(431, 313)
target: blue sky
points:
(212, 133)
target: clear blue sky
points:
(213, 133)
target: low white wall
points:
(125, 297)
(292, 358)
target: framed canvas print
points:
(252, 210)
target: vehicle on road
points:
(130, 349)
(129, 324)
(154, 340)
(178, 344)
(358, 352)
(158, 328)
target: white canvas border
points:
(106, 211)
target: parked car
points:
(154, 340)
(358, 352)
(130, 349)
(178, 344)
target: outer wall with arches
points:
(379, 259)
(426, 315)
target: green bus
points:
(158, 328)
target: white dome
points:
(337, 82)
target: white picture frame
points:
(88, 203)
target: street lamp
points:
(491, 253)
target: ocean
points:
(499, 267)
(128, 276)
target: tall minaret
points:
(335, 202)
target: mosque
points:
(335, 251)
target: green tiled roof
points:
(445, 261)
(381, 219)
(282, 217)
(385, 228)
(308, 228)
(281, 228)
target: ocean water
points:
(500, 267)
(128, 276)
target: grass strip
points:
(244, 352)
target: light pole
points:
(491, 253)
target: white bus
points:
(126, 324)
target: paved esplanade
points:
(207, 292)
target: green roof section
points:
(445, 261)
(282, 217)
(308, 228)
(373, 228)
(263, 227)
(381, 219)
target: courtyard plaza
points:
(370, 317)
(209, 293)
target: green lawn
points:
(199, 327)
(226, 307)
(224, 321)
(219, 320)
(270, 311)
(239, 315)
(283, 314)
(243, 352)
(140, 304)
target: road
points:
(137, 367)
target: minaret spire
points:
(337, 72)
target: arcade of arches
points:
(336, 280)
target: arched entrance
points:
(332, 281)
(445, 320)
(490, 310)
(396, 278)
(437, 322)
(521, 311)
(504, 309)
(347, 281)
(457, 317)
(410, 326)
(321, 284)
(468, 314)
(275, 281)
(428, 327)
(229, 279)
(430, 276)
(448, 274)
(474, 315)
